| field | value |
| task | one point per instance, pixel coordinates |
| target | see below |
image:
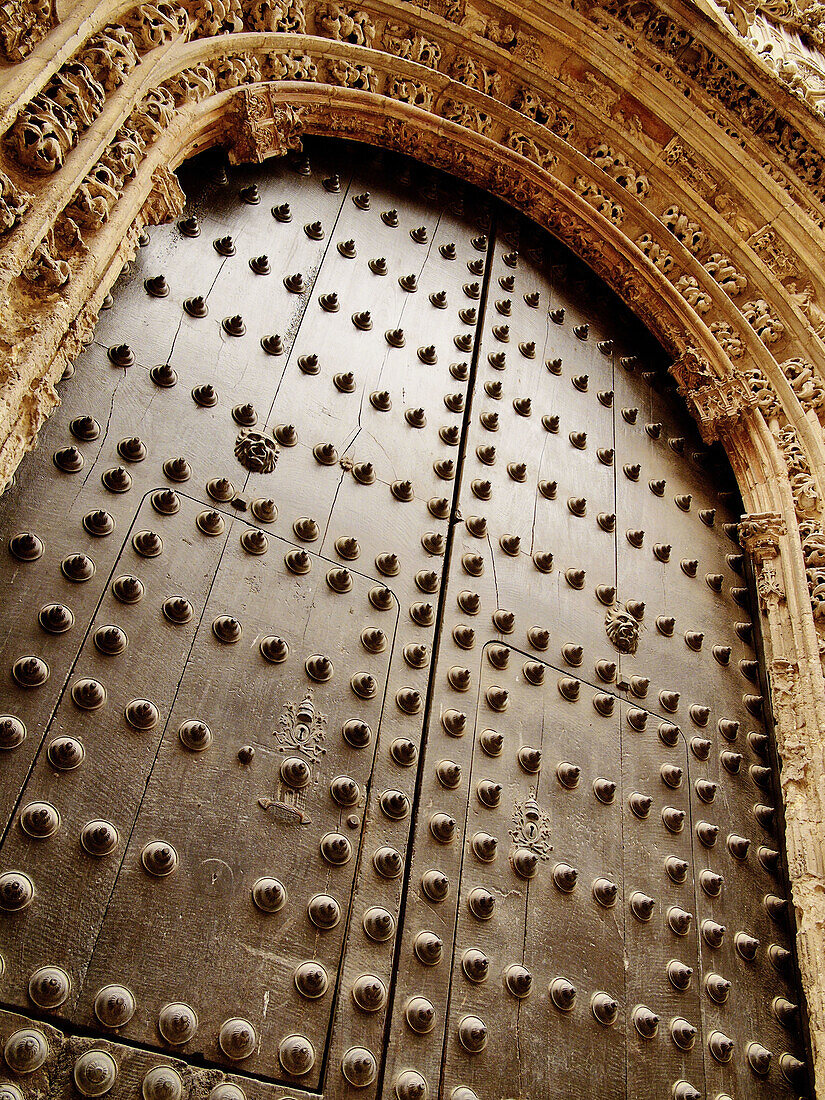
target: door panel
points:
(542, 691)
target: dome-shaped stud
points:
(319, 668)
(88, 693)
(26, 547)
(66, 753)
(369, 993)
(472, 1034)
(269, 894)
(637, 719)
(679, 920)
(308, 364)
(12, 732)
(254, 542)
(435, 885)
(114, 1006)
(237, 1038)
(49, 986)
(443, 827)
(707, 833)
(604, 1008)
(448, 774)
(388, 862)
(700, 747)
(324, 911)
(296, 1054)
(538, 637)
(759, 1058)
(428, 948)
(679, 975)
(484, 846)
(345, 791)
(717, 987)
(195, 736)
(311, 979)
(411, 1085)
(563, 994)
(673, 818)
(148, 544)
(489, 793)
(177, 1023)
(295, 283)
(226, 1090)
(178, 610)
(272, 344)
(641, 905)
(475, 965)
(99, 838)
(604, 790)
(481, 903)
(640, 804)
(159, 858)
(30, 671)
(378, 924)
(16, 891)
(720, 1046)
(518, 980)
(712, 933)
(359, 1067)
(746, 946)
(121, 355)
(39, 820)
(26, 1050)
(295, 772)
(683, 1033)
(671, 775)
(568, 774)
(403, 752)
(491, 742)
(162, 1083)
(645, 1021)
(394, 804)
(141, 714)
(355, 733)
(565, 877)
(529, 759)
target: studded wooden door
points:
(381, 705)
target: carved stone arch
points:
(770, 432)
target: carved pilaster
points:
(258, 128)
(759, 535)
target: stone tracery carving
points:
(23, 23)
(404, 42)
(689, 233)
(346, 74)
(762, 319)
(722, 270)
(693, 294)
(344, 24)
(42, 135)
(599, 199)
(284, 16)
(616, 166)
(111, 55)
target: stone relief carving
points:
(13, 204)
(284, 16)
(658, 256)
(191, 85)
(345, 24)
(473, 74)
(291, 65)
(75, 89)
(803, 485)
(411, 91)
(95, 199)
(683, 229)
(44, 271)
(616, 165)
(256, 452)
(528, 147)
(467, 114)
(23, 23)
(599, 199)
(402, 41)
(210, 17)
(257, 128)
(718, 403)
(235, 70)
(722, 270)
(806, 300)
(763, 392)
(41, 135)
(154, 114)
(153, 25)
(729, 341)
(806, 384)
(694, 295)
(111, 55)
(346, 74)
(528, 103)
(761, 318)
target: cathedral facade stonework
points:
(676, 147)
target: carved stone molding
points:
(257, 128)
